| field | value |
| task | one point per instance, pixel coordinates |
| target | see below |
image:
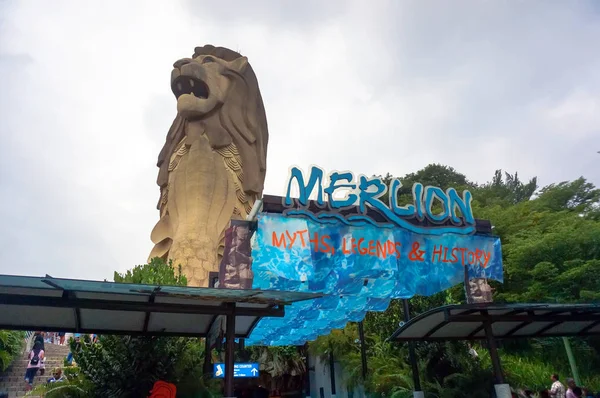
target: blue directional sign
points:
(239, 370)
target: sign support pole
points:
(229, 353)
(307, 364)
(502, 389)
(417, 392)
(363, 350)
(207, 357)
(332, 372)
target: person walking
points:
(38, 337)
(36, 355)
(77, 348)
(558, 389)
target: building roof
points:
(508, 321)
(82, 306)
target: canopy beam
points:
(73, 302)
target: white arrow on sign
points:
(219, 371)
(254, 371)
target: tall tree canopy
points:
(156, 272)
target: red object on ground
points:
(163, 389)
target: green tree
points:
(156, 272)
(578, 196)
(433, 175)
(505, 190)
(127, 366)
(551, 249)
(282, 364)
(436, 175)
(73, 385)
(11, 344)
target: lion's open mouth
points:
(189, 85)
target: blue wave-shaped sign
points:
(359, 269)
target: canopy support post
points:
(207, 357)
(229, 352)
(412, 357)
(502, 389)
(332, 372)
(307, 364)
(363, 350)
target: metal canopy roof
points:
(67, 305)
(508, 321)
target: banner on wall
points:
(302, 255)
(235, 270)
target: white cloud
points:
(388, 86)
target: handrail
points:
(28, 340)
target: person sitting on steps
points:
(57, 376)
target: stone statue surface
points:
(213, 164)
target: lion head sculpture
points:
(213, 164)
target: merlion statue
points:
(213, 164)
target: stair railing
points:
(28, 341)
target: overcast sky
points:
(369, 86)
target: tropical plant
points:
(339, 343)
(73, 385)
(156, 272)
(285, 366)
(127, 366)
(11, 344)
(279, 361)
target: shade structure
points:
(507, 321)
(82, 306)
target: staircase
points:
(13, 380)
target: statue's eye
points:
(207, 60)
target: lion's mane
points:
(241, 120)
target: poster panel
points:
(301, 255)
(235, 270)
(478, 291)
